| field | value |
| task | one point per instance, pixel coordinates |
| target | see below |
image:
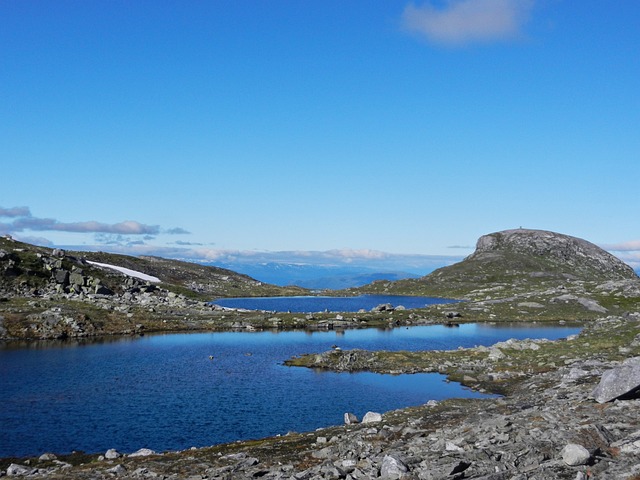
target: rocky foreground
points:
(571, 416)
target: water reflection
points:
(164, 392)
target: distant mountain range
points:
(315, 277)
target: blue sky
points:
(356, 128)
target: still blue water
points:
(163, 392)
(333, 304)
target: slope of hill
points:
(516, 260)
(51, 293)
(26, 268)
(526, 275)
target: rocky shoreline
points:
(548, 426)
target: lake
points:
(163, 392)
(310, 304)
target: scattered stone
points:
(15, 469)
(592, 305)
(383, 307)
(143, 452)
(111, 454)
(392, 467)
(350, 419)
(496, 354)
(615, 383)
(118, 470)
(372, 417)
(530, 305)
(452, 447)
(574, 455)
(47, 457)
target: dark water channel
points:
(163, 392)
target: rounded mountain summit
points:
(544, 253)
(517, 260)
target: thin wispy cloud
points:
(462, 22)
(22, 220)
(15, 212)
(183, 243)
(128, 227)
(177, 231)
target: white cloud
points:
(468, 21)
(350, 254)
(342, 257)
(631, 246)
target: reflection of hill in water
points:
(148, 391)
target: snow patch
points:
(128, 271)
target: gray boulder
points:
(143, 452)
(618, 382)
(117, 470)
(383, 307)
(76, 278)
(16, 469)
(350, 419)
(372, 417)
(392, 467)
(111, 454)
(102, 290)
(62, 277)
(592, 305)
(574, 455)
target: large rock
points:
(76, 278)
(574, 455)
(623, 380)
(350, 419)
(62, 277)
(372, 417)
(16, 469)
(392, 467)
(111, 454)
(143, 452)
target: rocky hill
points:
(544, 253)
(51, 293)
(515, 260)
(528, 275)
(26, 269)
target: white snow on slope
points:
(127, 271)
